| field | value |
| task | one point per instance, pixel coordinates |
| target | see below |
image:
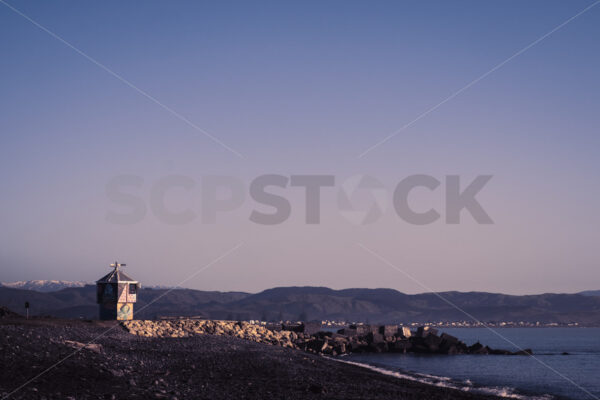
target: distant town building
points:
(116, 293)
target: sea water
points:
(548, 374)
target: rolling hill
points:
(373, 305)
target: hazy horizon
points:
(93, 283)
(303, 88)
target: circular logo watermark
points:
(362, 199)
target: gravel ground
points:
(125, 366)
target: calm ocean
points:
(510, 376)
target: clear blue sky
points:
(303, 88)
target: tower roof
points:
(115, 276)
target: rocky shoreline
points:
(99, 360)
(308, 337)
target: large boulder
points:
(328, 349)
(418, 345)
(423, 331)
(317, 345)
(451, 345)
(373, 328)
(432, 342)
(374, 338)
(400, 346)
(451, 350)
(340, 348)
(323, 334)
(379, 347)
(361, 330)
(388, 330)
(478, 348)
(310, 328)
(405, 332)
(338, 336)
(449, 338)
(356, 346)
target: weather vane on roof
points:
(116, 265)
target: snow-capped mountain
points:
(53, 286)
(43, 285)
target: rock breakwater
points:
(352, 339)
(190, 327)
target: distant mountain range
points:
(43, 285)
(293, 303)
(53, 286)
(590, 293)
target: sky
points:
(91, 92)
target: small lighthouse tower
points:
(116, 294)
